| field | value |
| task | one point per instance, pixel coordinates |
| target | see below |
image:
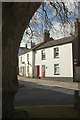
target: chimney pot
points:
(46, 36)
(76, 26)
(77, 20)
(26, 46)
(32, 44)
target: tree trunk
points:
(16, 17)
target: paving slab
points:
(50, 83)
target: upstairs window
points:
(56, 69)
(56, 52)
(43, 54)
(27, 57)
(21, 59)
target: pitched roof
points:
(22, 50)
(57, 42)
(33, 48)
(51, 43)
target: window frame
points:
(20, 70)
(56, 51)
(27, 69)
(57, 66)
(43, 53)
(27, 57)
(21, 59)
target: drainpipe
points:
(76, 55)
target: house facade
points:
(55, 62)
(51, 59)
(26, 63)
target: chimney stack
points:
(26, 46)
(46, 36)
(77, 26)
(32, 44)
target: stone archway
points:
(15, 18)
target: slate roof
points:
(22, 50)
(57, 42)
(33, 48)
(51, 43)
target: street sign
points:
(75, 62)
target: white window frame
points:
(27, 69)
(56, 52)
(43, 53)
(27, 57)
(21, 59)
(56, 72)
(20, 69)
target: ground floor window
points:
(27, 69)
(20, 70)
(56, 69)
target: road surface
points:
(31, 96)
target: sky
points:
(60, 31)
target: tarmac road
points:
(30, 96)
(35, 92)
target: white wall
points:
(20, 64)
(31, 63)
(64, 60)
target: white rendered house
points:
(51, 59)
(55, 60)
(26, 62)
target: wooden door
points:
(43, 71)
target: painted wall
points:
(65, 61)
(30, 64)
(22, 65)
(27, 64)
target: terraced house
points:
(51, 59)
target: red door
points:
(38, 71)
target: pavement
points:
(49, 84)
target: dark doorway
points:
(43, 71)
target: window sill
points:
(56, 57)
(43, 59)
(56, 74)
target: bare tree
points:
(16, 16)
(44, 19)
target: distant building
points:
(26, 61)
(22, 50)
(51, 59)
